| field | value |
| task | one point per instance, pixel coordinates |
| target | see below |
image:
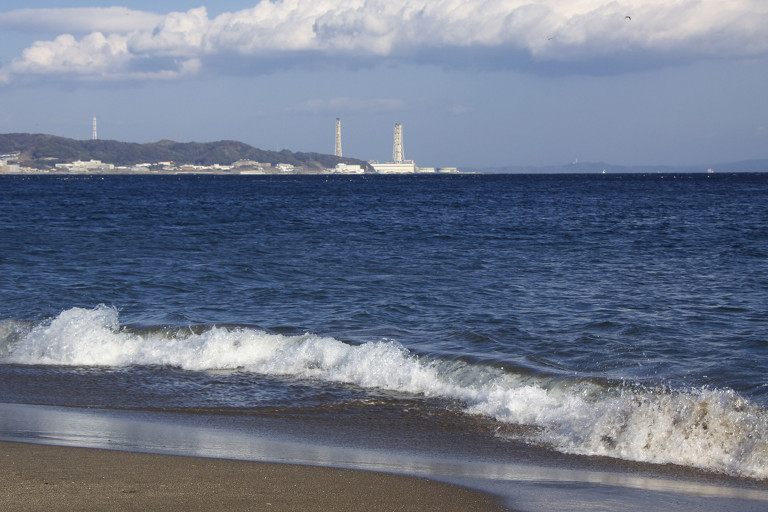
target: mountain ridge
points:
(42, 150)
(45, 151)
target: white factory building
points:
(90, 166)
(399, 165)
(394, 167)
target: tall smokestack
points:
(338, 137)
(397, 151)
(95, 135)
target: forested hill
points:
(48, 150)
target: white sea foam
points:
(710, 429)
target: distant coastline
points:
(40, 153)
(22, 153)
(754, 165)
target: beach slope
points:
(41, 477)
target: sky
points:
(474, 83)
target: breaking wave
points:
(711, 429)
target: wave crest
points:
(715, 430)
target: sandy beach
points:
(40, 477)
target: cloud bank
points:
(116, 43)
(79, 20)
(350, 105)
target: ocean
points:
(615, 322)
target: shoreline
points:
(200, 172)
(44, 477)
(516, 481)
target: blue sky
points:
(475, 83)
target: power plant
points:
(398, 165)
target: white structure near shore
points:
(89, 166)
(407, 167)
(399, 165)
(342, 168)
(9, 163)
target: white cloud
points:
(285, 25)
(350, 105)
(178, 34)
(551, 32)
(93, 54)
(458, 110)
(80, 20)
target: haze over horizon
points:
(484, 83)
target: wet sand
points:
(105, 466)
(41, 477)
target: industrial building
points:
(89, 166)
(398, 165)
(9, 163)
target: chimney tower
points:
(397, 151)
(338, 137)
(95, 135)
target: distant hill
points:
(39, 150)
(760, 165)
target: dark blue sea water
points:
(615, 315)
